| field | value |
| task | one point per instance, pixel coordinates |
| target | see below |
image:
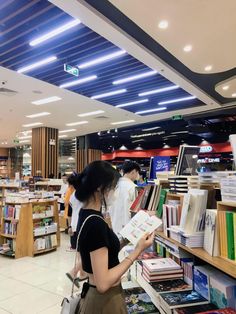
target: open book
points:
(140, 224)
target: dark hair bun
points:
(74, 179)
(98, 174)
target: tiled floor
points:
(35, 285)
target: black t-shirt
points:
(95, 235)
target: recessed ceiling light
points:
(32, 124)
(136, 102)
(76, 123)
(37, 64)
(121, 122)
(108, 94)
(226, 87)
(79, 81)
(24, 137)
(208, 68)
(159, 90)
(62, 136)
(101, 59)
(163, 24)
(45, 100)
(151, 110)
(91, 113)
(134, 77)
(67, 131)
(172, 101)
(234, 95)
(54, 32)
(40, 114)
(188, 48)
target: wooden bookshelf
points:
(172, 196)
(225, 265)
(24, 238)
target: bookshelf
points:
(4, 167)
(226, 266)
(27, 228)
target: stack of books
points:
(227, 234)
(11, 211)
(155, 270)
(178, 184)
(171, 215)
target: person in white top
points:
(125, 195)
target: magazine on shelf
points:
(140, 224)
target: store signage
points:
(206, 149)
(158, 164)
(177, 117)
(208, 160)
(71, 70)
(52, 142)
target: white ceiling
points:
(208, 25)
(227, 88)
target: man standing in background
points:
(125, 196)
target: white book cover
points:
(160, 264)
(140, 224)
(210, 236)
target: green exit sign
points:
(177, 117)
(70, 69)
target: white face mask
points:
(111, 197)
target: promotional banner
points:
(158, 164)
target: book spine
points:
(230, 235)
(234, 221)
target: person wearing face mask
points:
(98, 244)
(125, 195)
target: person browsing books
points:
(98, 244)
(125, 196)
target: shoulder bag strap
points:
(77, 245)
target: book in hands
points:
(140, 224)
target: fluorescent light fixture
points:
(54, 32)
(37, 64)
(76, 123)
(179, 132)
(101, 59)
(173, 101)
(152, 129)
(91, 113)
(62, 136)
(26, 132)
(150, 110)
(136, 102)
(67, 131)
(24, 137)
(24, 141)
(108, 94)
(134, 77)
(122, 122)
(40, 114)
(79, 81)
(159, 90)
(45, 100)
(163, 24)
(32, 124)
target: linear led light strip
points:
(45, 100)
(159, 90)
(121, 122)
(136, 102)
(79, 81)
(102, 59)
(69, 130)
(173, 101)
(151, 110)
(37, 64)
(40, 114)
(54, 32)
(134, 77)
(91, 113)
(77, 123)
(108, 94)
(32, 124)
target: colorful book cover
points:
(234, 219)
(201, 282)
(170, 285)
(138, 301)
(138, 200)
(161, 264)
(210, 230)
(161, 202)
(177, 299)
(227, 310)
(230, 235)
(196, 309)
(145, 196)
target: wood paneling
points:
(44, 155)
(85, 156)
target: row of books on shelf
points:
(42, 211)
(227, 234)
(10, 211)
(46, 242)
(46, 229)
(10, 228)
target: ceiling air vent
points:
(7, 92)
(101, 118)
